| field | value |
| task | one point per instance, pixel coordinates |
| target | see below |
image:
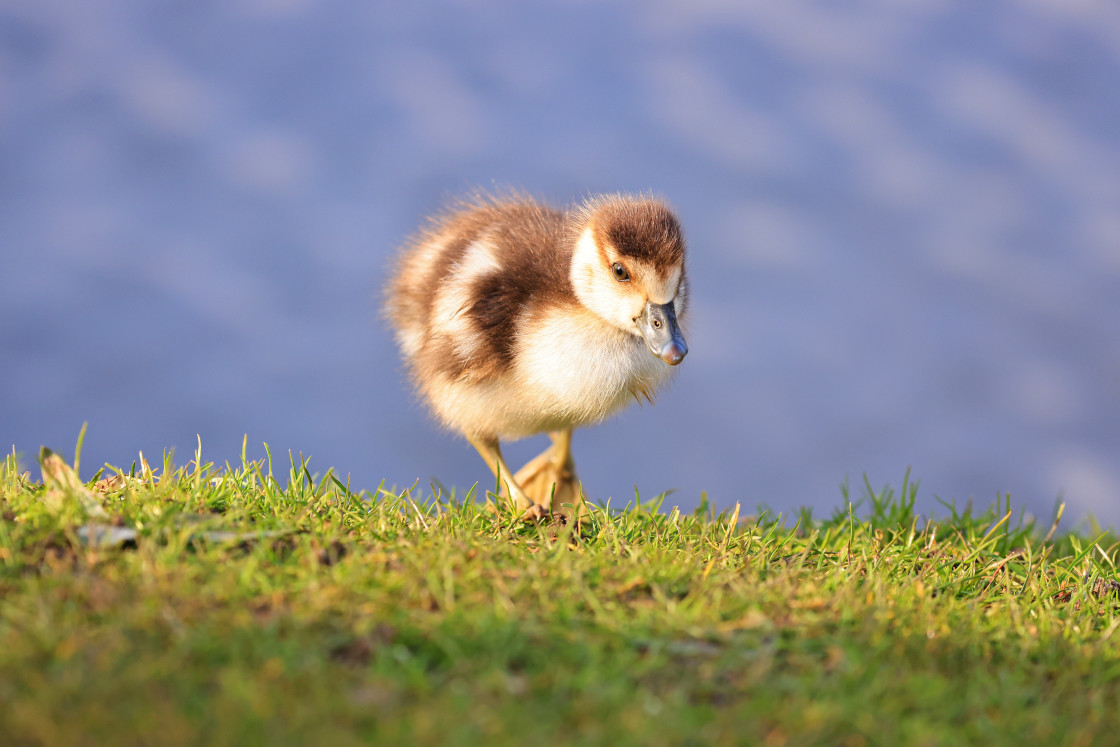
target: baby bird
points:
(514, 319)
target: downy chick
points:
(515, 319)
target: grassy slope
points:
(380, 620)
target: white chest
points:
(575, 366)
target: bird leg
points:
(549, 479)
(491, 453)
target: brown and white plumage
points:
(515, 319)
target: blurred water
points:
(904, 223)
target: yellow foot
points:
(550, 478)
(536, 513)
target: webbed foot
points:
(536, 513)
(550, 479)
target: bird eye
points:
(620, 273)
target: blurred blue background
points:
(904, 225)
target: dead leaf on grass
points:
(62, 482)
(223, 536)
(116, 482)
(100, 535)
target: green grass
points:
(246, 609)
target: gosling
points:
(514, 319)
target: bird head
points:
(628, 269)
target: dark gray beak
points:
(658, 325)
